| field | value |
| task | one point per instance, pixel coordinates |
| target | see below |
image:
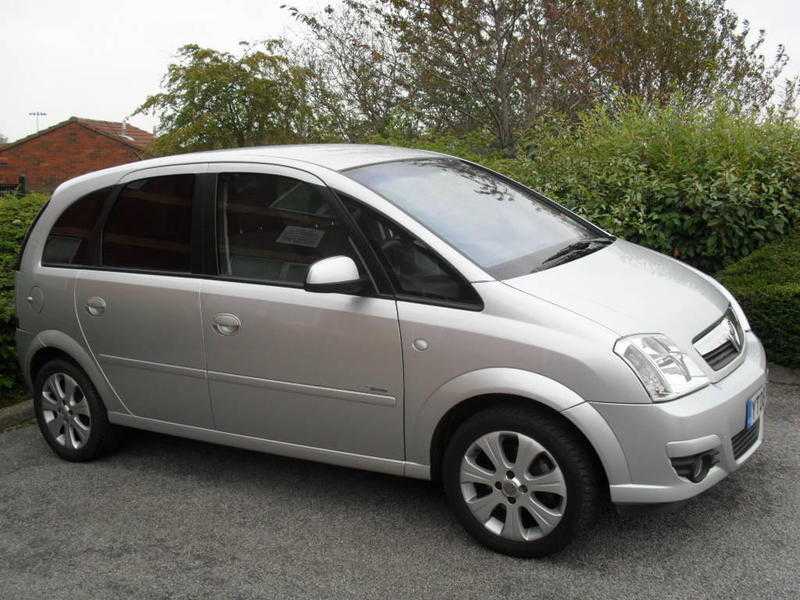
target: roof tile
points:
(133, 135)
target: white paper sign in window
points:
(301, 236)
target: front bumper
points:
(651, 434)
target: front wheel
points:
(521, 482)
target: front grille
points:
(719, 357)
(744, 440)
(720, 344)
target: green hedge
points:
(767, 285)
(708, 187)
(16, 215)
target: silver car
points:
(387, 309)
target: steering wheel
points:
(399, 255)
(392, 245)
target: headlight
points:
(665, 371)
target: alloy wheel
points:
(513, 486)
(66, 411)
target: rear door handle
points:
(95, 306)
(226, 324)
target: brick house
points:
(68, 149)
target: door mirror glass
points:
(337, 274)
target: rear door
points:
(316, 369)
(140, 309)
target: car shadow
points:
(265, 478)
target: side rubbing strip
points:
(301, 388)
(151, 366)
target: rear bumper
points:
(651, 434)
(24, 340)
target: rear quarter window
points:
(71, 238)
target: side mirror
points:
(337, 274)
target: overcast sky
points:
(99, 59)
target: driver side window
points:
(415, 269)
(271, 228)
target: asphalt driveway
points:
(171, 518)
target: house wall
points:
(61, 154)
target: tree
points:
(657, 49)
(449, 64)
(213, 99)
(3, 139)
(458, 65)
(495, 63)
(358, 70)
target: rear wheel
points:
(70, 414)
(521, 481)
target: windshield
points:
(505, 229)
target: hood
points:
(630, 289)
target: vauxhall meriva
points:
(387, 309)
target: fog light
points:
(695, 468)
(699, 470)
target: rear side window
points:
(70, 239)
(150, 226)
(272, 228)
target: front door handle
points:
(95, 306)
(226, 324)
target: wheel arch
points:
(44, 355)
(52, 344)
(461, 398)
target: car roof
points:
(336, 157)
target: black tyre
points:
(70, 413)
(521, 481)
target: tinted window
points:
(415, 269)
(69, 239)
(272, 228)
(505, 229)
(150, 225)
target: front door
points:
(140, 311)
(284, 364)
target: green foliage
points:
(451, 66)
(705, 186)
(215, 99)
(696, 49)
(767, 285)
(16, 215)
(708, 187)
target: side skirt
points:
(333, 457)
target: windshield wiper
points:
(578, 249)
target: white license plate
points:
(755, 408)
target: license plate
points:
(755, 408)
